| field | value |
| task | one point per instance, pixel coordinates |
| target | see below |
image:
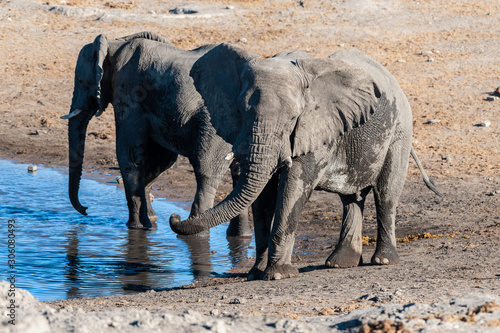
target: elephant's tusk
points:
(72, 114)
(229, 156)
(98, 113)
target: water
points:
(61, 254)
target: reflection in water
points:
(73, 262)
(62, 254)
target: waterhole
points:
(61, 254)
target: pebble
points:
(151, 197)
(433, 121)
(430, 60)
(32, 168)
(215, 312)
(485, 123)
(242, 40)
(238, 301)
(119, 179)
(229, 7)
(401, 60)
(426, 53)
(492, 98)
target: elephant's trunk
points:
(258, 163)
(77, 128)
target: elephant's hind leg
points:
(347, 253)
(157, 160)
(387, 192)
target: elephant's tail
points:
(427, 180)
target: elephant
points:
(340, 124)
(158, 115)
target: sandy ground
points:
(445, 55)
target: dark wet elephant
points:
(158, 114)
(340, 124)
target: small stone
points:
(229, 7)
(242, 40)
(401, 60)
(119, 179)
(432, 121)
(436, 51)
(430, 60)
(214, 312)
(151, 197)
(485, 123)
(426, 53)
(492, 98)
(497, 92)
(238, 301)
(446, 158)
(152, 12)
(32, 168)
(341, 45)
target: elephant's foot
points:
(141, 224)
(255, 274)
(278, 272)
(385, 255)
(239, 227)
(344, 257)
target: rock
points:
(229, 7)
(497, 92)
(238, 301)
(242, 40)
(485, 123)
(430, 60)
(151, 197)
(215, 312)
(32, 168)
(78, 12)
(119, 179)
(426, 53)
(182, 10)
(492, 98)
(401, 60)
(432, 121)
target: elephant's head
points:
(91, 95)
(289, 107)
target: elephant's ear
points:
(339, 97)
(216, 76)
(101, 52)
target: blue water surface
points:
(61, 254)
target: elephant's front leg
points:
(263, 212)
(130, 151)
(296, 184)
(347, 253)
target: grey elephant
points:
(158, 115)
(341, 125)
